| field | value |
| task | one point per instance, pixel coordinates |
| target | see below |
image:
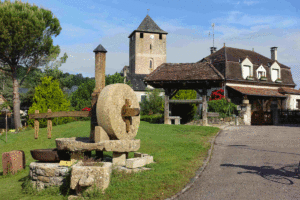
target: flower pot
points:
(263, 79)
(245, 101)
(250, 78)
(278, 81)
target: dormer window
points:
(275, 72)
(247, 68)
(261, 72)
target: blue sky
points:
(241, 24)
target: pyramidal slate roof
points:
(100, 48)
(149, 26)
(138, 83)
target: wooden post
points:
(49, 125)
(6, 124)
(166, 111)
(36, 126)
(204, 107)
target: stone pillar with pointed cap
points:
(100, 58)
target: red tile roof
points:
(286, 90)
(257, 91)
(184, 71)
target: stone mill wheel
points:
(110, 111)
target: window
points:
(160, 36)
(150, 46)
(298, 104)
(141, 35)
(151, 64)
(275, 74)
(261, 73)
(247, 71)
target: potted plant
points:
(263, 78)
(278, 80)
(250, 78)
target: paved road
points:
(251, 162)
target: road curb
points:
(200, 170)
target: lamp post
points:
(5, 110)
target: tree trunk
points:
(16, 102)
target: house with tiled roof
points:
(261, 79)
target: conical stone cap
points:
(100, 48)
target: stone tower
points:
(147, 47)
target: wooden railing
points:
(50, 115)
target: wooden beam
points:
(61, 114)
(49, 125)
(36, 126)
(204, 107)
(174, 93)
(197, 101)
(166, 109)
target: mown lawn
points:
(177, 150)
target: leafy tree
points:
(25, 40)
(116, 78)
(185, 111)
(48, 95)
(82, 97)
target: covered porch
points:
(264, 103)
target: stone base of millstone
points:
(84, 144)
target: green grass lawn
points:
(177, 150)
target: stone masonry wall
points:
(220, 121)
(47, 174)
(142, 52)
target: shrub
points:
(153, 103)
(48, 95)
(222, 106)
(217, 94)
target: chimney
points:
(253, 49)
(213, 50)
(274, 53)
(100, 58)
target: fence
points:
(289, 116)
(50, 115)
